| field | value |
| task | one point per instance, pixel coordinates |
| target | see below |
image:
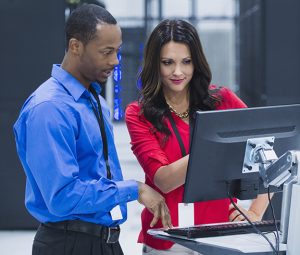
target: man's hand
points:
(155, 203)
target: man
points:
(64, 140)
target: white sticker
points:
(185, 214)
(116, 213)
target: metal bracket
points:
(258, 151)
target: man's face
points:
(99, 56)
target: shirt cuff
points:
(128, 191)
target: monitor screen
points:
(218, 149)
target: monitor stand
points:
(253, 243)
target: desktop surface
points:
(226, 245)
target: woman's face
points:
(176, 67)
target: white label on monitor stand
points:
(185, 214)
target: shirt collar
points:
(71, 84)
(97, 87)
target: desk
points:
(250, 244)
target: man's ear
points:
(75, 46)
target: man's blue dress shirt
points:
(59, 144)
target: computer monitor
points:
(218, 147)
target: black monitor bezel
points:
(257, 122)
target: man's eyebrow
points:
(112, 48)
(109, 48)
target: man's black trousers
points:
(50, 241)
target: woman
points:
(175, 83)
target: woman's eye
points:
(167, 63)
(187, 61)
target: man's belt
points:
(109, 234)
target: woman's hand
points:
(254, 213)
(235, 215)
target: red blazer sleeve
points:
(230, 100)
(144, 143)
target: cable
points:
(274, 219)
(256, 229)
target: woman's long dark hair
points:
(153, 103)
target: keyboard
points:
(222, 229)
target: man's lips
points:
(107, 73)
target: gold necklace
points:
(181, 115)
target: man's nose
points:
(114, 60)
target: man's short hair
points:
(82, 22)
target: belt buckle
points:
(113, 234)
